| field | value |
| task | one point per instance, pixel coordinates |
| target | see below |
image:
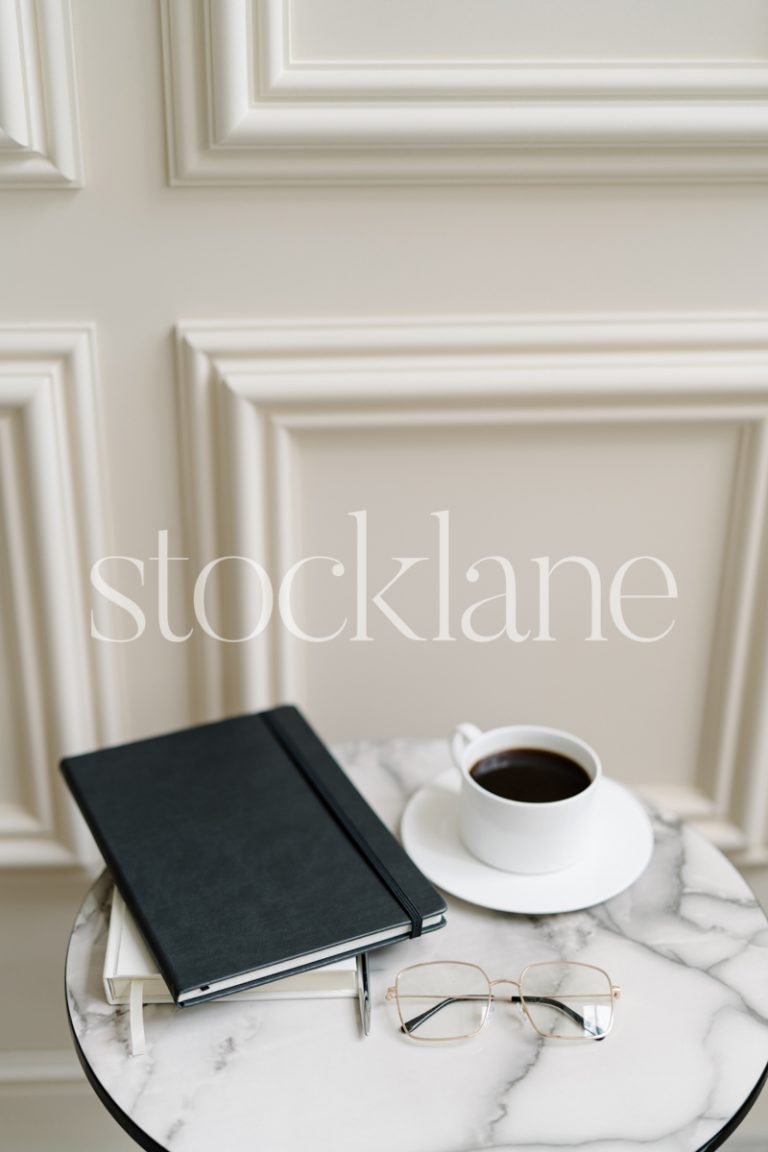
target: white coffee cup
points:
(522, 836)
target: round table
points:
(687, 943)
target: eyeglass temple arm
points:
(416, 1021)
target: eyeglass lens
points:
(443, 1001)
(567, 1000)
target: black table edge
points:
(730, 1127)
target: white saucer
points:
(430, 832)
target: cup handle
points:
(463, 735)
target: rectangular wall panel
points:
(606, 443)
(60, 692)
(39, 122)
(261, 91)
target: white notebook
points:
(131, 976)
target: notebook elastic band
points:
(360, 842)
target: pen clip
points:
(363, 993)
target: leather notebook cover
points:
(244, 852)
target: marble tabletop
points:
(687, 943)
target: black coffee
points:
(533, 775)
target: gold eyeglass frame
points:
(394, 994)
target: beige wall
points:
(568, 355)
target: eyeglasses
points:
(451, 1000)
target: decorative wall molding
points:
(39, 127)
(246, 390)
(52, 527)
(240, 110)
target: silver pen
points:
(363, 993)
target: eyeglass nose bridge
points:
(505, 980)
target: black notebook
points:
(245, 853)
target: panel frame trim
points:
(244, 389)
(55, 515)
(39, 120)
(243, 114)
